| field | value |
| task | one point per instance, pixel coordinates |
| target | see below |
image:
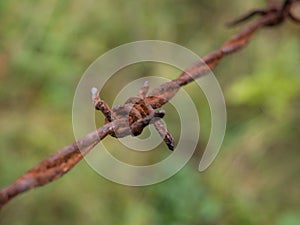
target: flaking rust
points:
(140, 110)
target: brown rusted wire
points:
(65, 159)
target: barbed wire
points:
(140, 111)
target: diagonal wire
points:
(65, 159)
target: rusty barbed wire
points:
(65, 159)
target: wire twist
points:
(142, 108)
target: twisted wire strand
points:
(65, 159)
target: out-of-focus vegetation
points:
(45, 46)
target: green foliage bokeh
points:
(45, 47)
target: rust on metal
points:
(138, 112)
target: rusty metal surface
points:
(138, 112)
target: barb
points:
(135, 114)
(140, 110)
(282, 11)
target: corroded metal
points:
(140, 111)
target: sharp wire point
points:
(94, 91)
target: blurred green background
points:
(45, 47)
